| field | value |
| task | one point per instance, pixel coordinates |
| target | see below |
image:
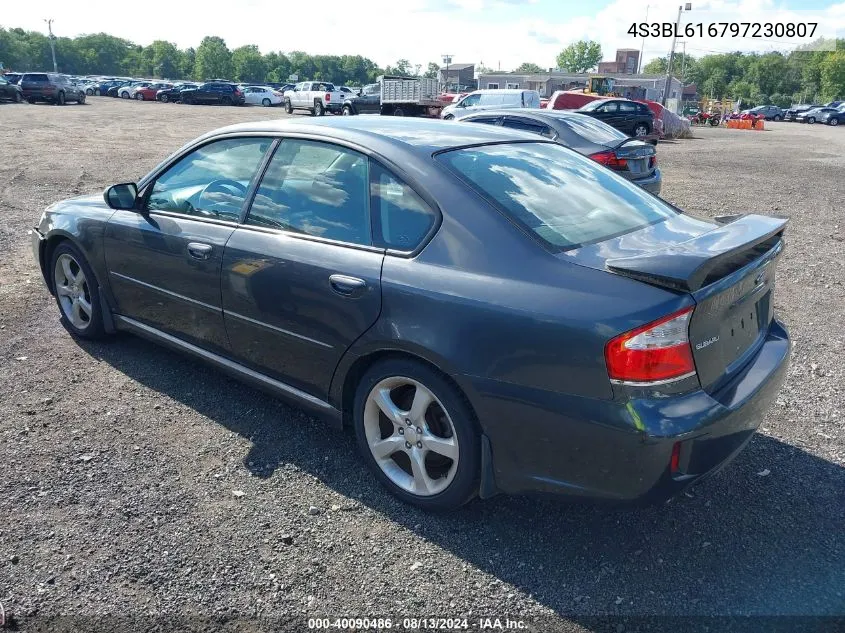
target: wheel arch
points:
(355, 364)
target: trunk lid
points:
(639, 157)
(728, 268)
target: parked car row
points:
(45, 87)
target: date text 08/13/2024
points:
(724, 29)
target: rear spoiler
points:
(691, 265)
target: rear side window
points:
(529, 126)
(564, 198)
(317, 189)
(401, 219)
(594, 130)
(627, 106)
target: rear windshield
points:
(566, 199)
(36, 78)
(594, 130)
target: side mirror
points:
(122, 196)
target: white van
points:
(486, 99)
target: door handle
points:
(199, 251)
(347, 286)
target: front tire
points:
(81, 99)
(139, 96)
(347, 110)
(417, 434)
(89, 92)
(61, 98)
(448, 117)
(811, 120)
(777, 117)
(124, 95)
(398, 112)
(834, 121)
(164, 98)
(266, 102)
(97, 92)
(18, 97)
(77, 292)
(288, 106)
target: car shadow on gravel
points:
(764, 536)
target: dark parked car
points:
(635, 160)
(50, 87)
(791, 113)
(13, 78)
(631, 117)
(10, 92)
(771, 112)
(490, 311)
(113, 88)
(368, 102)
(814, 115)
(213, 92)
(174, 93)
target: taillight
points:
(328, 97)
(656, 351)
(652, 162)
(609, 159)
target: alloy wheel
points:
(834, 121)
(411, 436)
(73, 291)
(640, 130)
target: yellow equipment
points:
(600, 86)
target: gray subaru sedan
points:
(490, 311)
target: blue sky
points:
(499, 33)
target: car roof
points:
(535, 113)
(421, 136)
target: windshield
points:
(566, 199)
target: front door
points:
(301, 277)
(164, 259)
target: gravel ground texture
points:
(135, 482)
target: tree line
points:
(799, 76)
(103, 54)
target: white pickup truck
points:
(318, 97)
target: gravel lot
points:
(136, 482)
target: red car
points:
(148, 93)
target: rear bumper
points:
(653, 183)
(620, 450)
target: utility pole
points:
(52, 43)
(642, 46)
(447, 59)
(683, 63)
(672, 55)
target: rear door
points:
(302, 275)
(164, 259)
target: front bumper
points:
(620, 450)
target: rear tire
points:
(139, 96)
(811, 120)
(124, 95)
(31, 101)
(777, 117)
(347, 110)
(834, 121)
(398, 112)
(97, 92)
(226, 101)
(81, 99)
(266, 102)
(319, 109)
(89, 92)
(18, 97)
(60, 100)
(641, 129)
(164, 98)
(437, 483)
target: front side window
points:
(564, 198)
(471, 100)
(401, 219)
(212, 181)
(317, 189)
